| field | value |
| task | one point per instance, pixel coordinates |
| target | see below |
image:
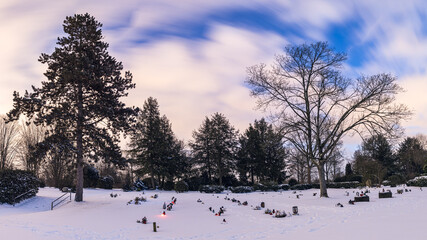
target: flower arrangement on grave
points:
(280, 214)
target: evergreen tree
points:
(154, 147)
(379, 149)
(262, 153)
(214, 147)
(411, 156)
(348, 170)
(375, 159)
(81, 94)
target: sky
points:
(192, 56)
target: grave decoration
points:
(143, 221)
(257, 208)
(280, 214)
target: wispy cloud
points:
(192, 55)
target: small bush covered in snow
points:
(420, 181)
(211, 189)
(16, 182)
(139, 185)
(242, 189)
(181, 186)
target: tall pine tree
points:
(153, 145)
(81, 94)
(262, 153)
(214, 147)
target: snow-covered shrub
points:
(139, 185)
(17, 182)
(242, 189)
(211, 189)
(284, 187)
(181, 186)
(420, 181)
(106, 182)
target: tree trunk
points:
(322, 180)
(79, 136)
(220, 176)
(152, 179)
(308, 170)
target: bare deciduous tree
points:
(8, 143)
(29, 136)
(317, 106)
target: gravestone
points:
(385, 194)
(364, 198)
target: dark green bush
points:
(91, 176)
(127, 185)
(147, 183)
(106, 182)
(17, 182)
(181, 186)
(354, 184)
(242, 189)
(301, 186)
(396, 180)
(266, 187)
(284, 187)
(168, 186)
(211, 189)
(349, 178)
(292, 182)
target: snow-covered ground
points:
(102, 217)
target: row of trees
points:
(376, 160)
(217, 153)
(314, 107)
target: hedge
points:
(14, 183)
(242, 189)
(211, 189)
